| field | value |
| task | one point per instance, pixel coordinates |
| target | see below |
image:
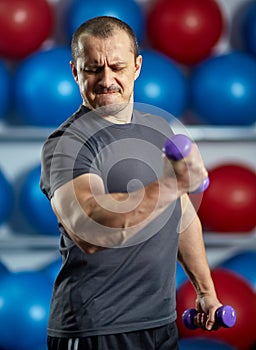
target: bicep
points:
(78, 190)
(67, 201)
(189, 218)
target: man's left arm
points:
(193, 258)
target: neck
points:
(116, 114)
(123, 116)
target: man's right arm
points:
(98, 219)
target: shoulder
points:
(157, 121)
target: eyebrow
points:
(97, 65)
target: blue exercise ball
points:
(249, 27)
(5, 83)
(243, 264)
(24, 310)
(204, 344)
(181, 276)
(53, 268)
(35, 206)
(223, 89)
(41, 347)
(6, 198)
(3, 269)
(44, 88)
(128, 11)
(161, 83)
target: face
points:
(106, 71)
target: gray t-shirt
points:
(118, 289)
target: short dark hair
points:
(102, 27)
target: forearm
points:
(192, 254)
(129, 210)
(110, 220)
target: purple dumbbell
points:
(178, 147)
(225, 316)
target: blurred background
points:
(199, 69)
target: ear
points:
(138, 64)
(74, 71)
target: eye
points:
(92, 70)
(117, 68)
(89, 70)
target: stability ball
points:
(24, 26)
(243, 263)
(185, 30)
(228, 205)
(249, 28)
(42, 347)
(203, 344)
(128, 11)
(232, 290)
(24, 309)
(6, 198)
(161, 83)
(44, 88)
(35, 206)
(52, 269)
(5, 83)
(3, 270)
(181, 276)
(223, 89)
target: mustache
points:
(104, 90)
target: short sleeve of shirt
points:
(64, 157)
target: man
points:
(122, 207)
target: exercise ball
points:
(181, 276)
(34, 205)
(165, 87)
(44, 88)
(243, 264)
(228, 205)
(231, 290)
(185, 30)
(6, 198)
(24, 309)
(3, 270)
(128, 11)
(223, 89)
(249, 28)
(203, 344)
(42, 347)
(24, 26)
(52, 269)
(5, 82)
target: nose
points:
(107, 77)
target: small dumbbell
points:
(225, 316)
(177, 148)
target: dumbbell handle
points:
(225, 316)
(177, 148)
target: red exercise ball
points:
(185, 30)
(228, 205)
(232, 290)
(24, 26)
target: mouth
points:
(107, 91)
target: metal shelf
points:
(219, 133)
(241, 240)
(198, 133)
(19, 241)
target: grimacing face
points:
(106, 70)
